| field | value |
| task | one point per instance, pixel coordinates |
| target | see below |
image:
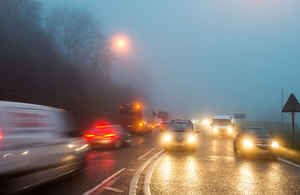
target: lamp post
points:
(120, 43)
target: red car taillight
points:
(108, 136)
(90, 135)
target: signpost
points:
(239, 116)
(292, 105)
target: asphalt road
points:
(213, 169)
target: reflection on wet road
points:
(215, 169)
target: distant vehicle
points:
(113, 136)
(164, 125)
(37, 144)
(157, 122)
(255, 140)
(180, 134)
(164, 115)
(136, 118)
(221, 126)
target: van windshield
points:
(221, 121)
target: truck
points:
(221, 126)
(163, 115)
(137, 118)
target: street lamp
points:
(120, 44)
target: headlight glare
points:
(247, 143)
(275, 144)
(191, 139)
(229, 130)
(167, 138)
(215, 130)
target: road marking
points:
(103, 182)
(289, 162)
(137, 137)
(146, 153)
(149, 175)
(134, 180)
(161, 143)
(114, 189)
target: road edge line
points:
(289, 162)
(134, 180)
(104, 182)
(146, 153)
(149, 175)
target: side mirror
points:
(211, 124)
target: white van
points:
(221, 126)
(37, 144)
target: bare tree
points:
(76, 31)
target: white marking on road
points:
(289, 162)
(137, 137)
(161, 143)
(134, 180)
(130, 169)
(114, 189)
(146, 153)
(149, 175)
(103, 182)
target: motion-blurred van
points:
(221, 126)
(37, 144)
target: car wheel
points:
(117, 143)
(234, 148)
(129, 141)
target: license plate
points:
(263, 151)
(178, 144)
(130, 125)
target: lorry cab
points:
(221, 126)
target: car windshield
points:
(180, 127)
(256, 132)
(221, 121)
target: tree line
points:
(58, 59)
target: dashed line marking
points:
(146, 153)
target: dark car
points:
(112, 135)
(180, 134)
(254, 141)
(164, 125)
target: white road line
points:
(103, 182)
(149, 175)
(134, 180)
(137, 137)
(161, 143)
(146, 153)
(289, 162)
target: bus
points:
(136, 118)
(164, 115)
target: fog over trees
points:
(57, 60)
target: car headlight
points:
(247, 143)
(275, 144)
(229, 130)
(215, 130)
(167, 138)
(191, 139)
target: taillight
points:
(108, 136)
(90, 135)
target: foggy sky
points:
(199, 58)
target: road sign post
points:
(292, 105)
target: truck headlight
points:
(247, 143)
(191, 139)
(167, 138)
(215, 130)
(229, 130)
(275, 144)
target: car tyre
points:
(234, 148)
(117, 144)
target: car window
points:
(181, 127)
(257, 132)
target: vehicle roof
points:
(30, 106)
(252, 127)
(183, 121)
(221, 117)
